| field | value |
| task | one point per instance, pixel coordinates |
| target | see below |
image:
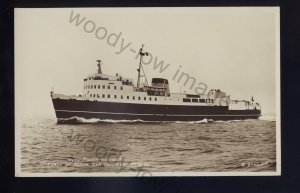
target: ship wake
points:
(80, 120)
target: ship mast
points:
(141, 67)
(99, 67)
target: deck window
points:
(139, 98)
(121, 96)
(209, 100)
(145, 98)
(99, 86)
(115, 87)
(98, 96)
(202, 100)
(108, 87)
(91, 95)
(155, 99)
(127, 97)
(108, 96)
(186, 100)
(194, 100)
(103, 95)
(115, 96)
(103, 86)
(149, 98)
(133, 97)
(121, 87)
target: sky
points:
(232, 49)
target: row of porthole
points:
(121, 97)
(198, 100)
(99, 87)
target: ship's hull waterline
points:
(66, 109)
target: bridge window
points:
(186, 100)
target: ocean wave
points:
(80, 120)
(267, 118)
(196, 122)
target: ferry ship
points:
(118, 98)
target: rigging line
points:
(145, 75)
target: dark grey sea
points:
(129, 146)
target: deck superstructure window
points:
(202, 100)
(139, 98)
(103, 86)
(155, 99)
(195, 100)
(98, 96)
(145, 98)
(133, 97)
(115, 87)
(108, 87)
(121, 87)
(149, 98)
(127, 97)
(91, 95)
(103, 95)
(209, 100)
(99, 86)
(121, 96)
(115, 96)
(108, 96)
(186, 100)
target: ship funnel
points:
(99, 66)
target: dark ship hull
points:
(70, 108)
